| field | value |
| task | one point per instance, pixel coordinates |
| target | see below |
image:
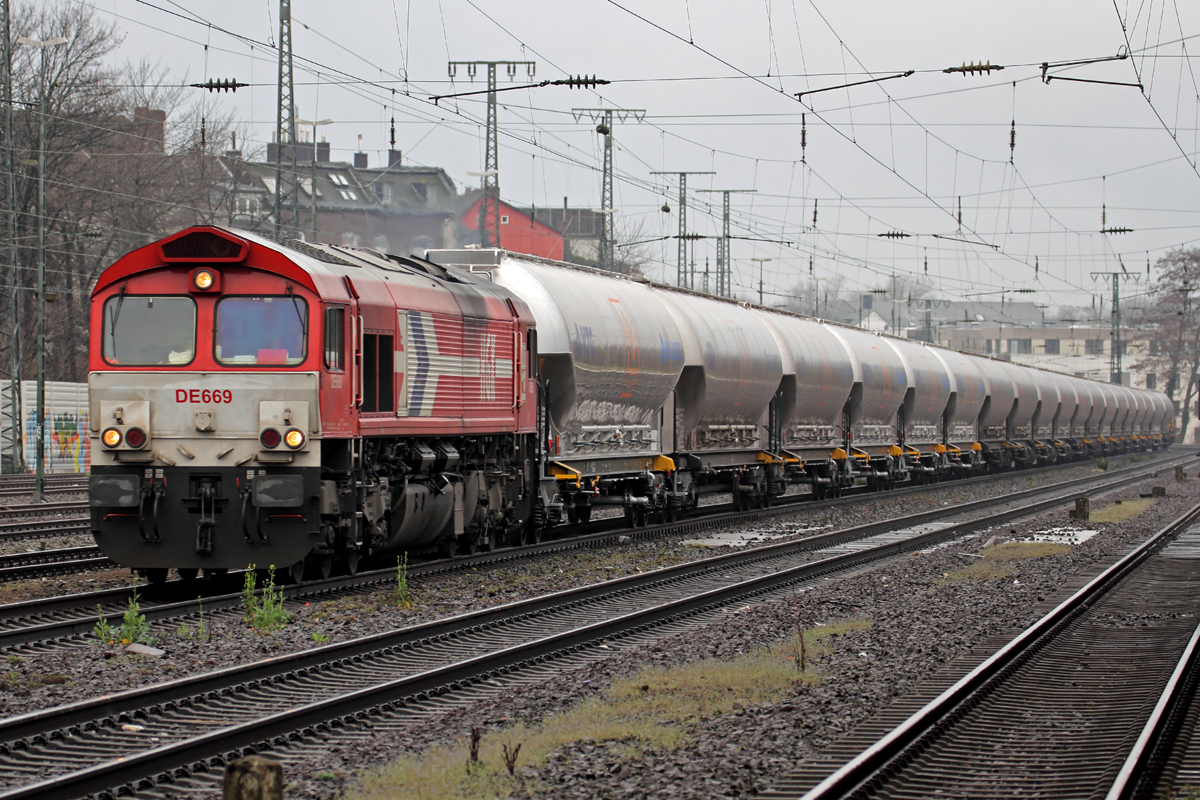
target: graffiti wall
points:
(67, 442)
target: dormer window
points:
(339, 179)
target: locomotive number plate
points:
(212, 396)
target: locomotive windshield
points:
(261, 330)
(141, 330)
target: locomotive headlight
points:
(203, 280)
(294, 439)
(270, 438)
(135, 438)
(111, 437)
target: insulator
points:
(221, 85)
(1103, 215)
(1035, 267)
(810, 265)
(814, 212)
(393, 133)
(666, 209)
(1012, 141)
(203, 138)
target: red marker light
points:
(135, 438)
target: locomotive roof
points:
(306, 263)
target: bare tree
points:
(127, 161)
(1173, 326)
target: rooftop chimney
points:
(360, 158)
(393, 158)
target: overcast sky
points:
(717, 82)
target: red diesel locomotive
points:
(294, 406)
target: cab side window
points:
(335, 338)
(378, 367)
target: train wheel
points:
(350, 561)
(584, 513)
(188, 573)
(295, 572)
(318, 566)
(156, 575)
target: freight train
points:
(257, 401)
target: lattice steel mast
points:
(606, 258)
(724, 287)
(489, 202)
(287, 192)
(683, 277)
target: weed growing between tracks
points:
(1121, 511)
(134, 627)
(264, 613)
(998, 562)
(656, 708)
(403, 595)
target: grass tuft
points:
(999, 561)
(1128, 509)
(655, 708)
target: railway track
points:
(68, 620)
(345, 689)
(1050, 713)
(42, 563)
(16, 485)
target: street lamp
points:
(313, 177)
(39, 483)
(760, 261)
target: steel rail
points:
(165, 760)
(116, 599)
(36, 563)
(1155, 736)
(876, 759)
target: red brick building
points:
(519, 232)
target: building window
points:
(1153, 347)
(420, 190)
(246, 206)
(347, 194)
(339, 179)
(989, 346)
(504, 219)
(1052, 347)
(1151, 381)
(1093, 347)
(1020, 347)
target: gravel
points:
(919, 624)
(906, 643)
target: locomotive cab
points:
(205, 410)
